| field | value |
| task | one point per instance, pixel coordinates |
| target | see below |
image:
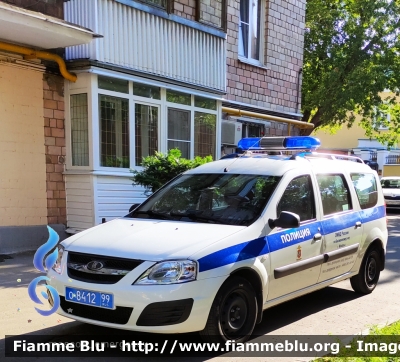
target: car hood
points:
(391, 192)
(152, 240)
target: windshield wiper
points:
(195, 217)
(163, 215)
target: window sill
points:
(254, 63)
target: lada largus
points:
(219, 244)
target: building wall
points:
(54, 132)
(22, 152)
(273, 85)
(343, 138)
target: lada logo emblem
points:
(94, 265)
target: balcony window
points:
(114, 131)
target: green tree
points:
(161, 168)
(351, 56)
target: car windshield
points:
(229, 199)
(390, 183)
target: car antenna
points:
(246, 152)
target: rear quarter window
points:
(365, 186)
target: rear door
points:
(341, 224)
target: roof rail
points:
(330, 156)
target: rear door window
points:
(335, 193)
(365, 185)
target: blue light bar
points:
(252, 143)
(302, 142)
(279, 143)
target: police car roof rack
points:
(330, 156)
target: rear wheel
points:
(233, 313)
(367, 279)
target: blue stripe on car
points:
(253, 248)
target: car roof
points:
(278, 166)
(390, 178)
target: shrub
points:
(161, 168)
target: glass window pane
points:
(178, 97)
(365, 185)
(113, 84)
(202, 102)
(146, 131)
(160, 3)
(204, 134)
(244, 28)
(224, 198)
(147, 91)
(79, 130)
(178, 124)
(334, 193)
(255, 30)
(184, 147)
(114, 131)
(298, 198)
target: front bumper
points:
(184, 307)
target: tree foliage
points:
(161, 168)
(351, 57)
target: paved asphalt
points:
(334, 310)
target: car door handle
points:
(358, 224)
(317, 237)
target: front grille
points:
(392, 197)
(99, 277)
(119, 315)
(165, 313)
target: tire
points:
(233, 313)
(367, 279)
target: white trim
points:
(253, 62)
(95, 123)
(137, 79)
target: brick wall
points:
(211, 11)
(49, 7)
(185, 8)
(275, 84)
(54, 131)
(206, 11)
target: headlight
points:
(170, 272)
(57, 266)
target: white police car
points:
(221, 243)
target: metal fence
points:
(393, 159)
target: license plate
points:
(88, 297)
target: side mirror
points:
(286, 220)
(133, 207)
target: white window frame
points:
(257, 62)
(87, 83)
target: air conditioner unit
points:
(231, 133)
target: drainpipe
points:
(288, 121)
(38, 54)
(298, 88)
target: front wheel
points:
(233, 313)
(367, 279)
